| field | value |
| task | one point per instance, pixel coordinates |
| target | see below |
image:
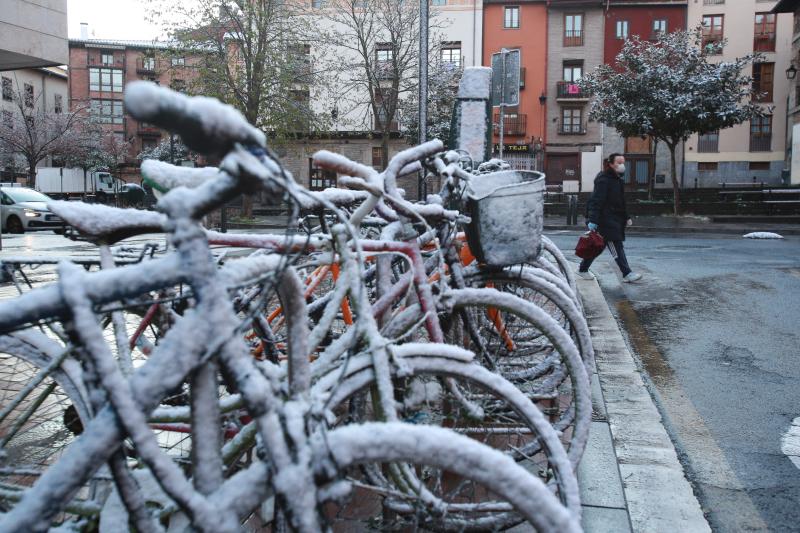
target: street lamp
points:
(791, 72)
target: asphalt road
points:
(714, 323)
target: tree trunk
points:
(32, 174)
(676, 192)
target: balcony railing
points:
(512, 124)
(708, 143)
(764, 42)
(761, 142)
(569, 90)
(573, 37)
(571, 128)
(148, 129)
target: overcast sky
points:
(110, 19)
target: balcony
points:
(567, 128)
(573, 37)
(146, 65)
(512, 124)
(146, 129)
(712, 37)
(764, 42)
(761, 142)
(568, 90)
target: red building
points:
(99, 70)
(626, 18)
(520, 25)
(647, 19)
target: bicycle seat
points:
(103, 224)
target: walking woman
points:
(608, 215)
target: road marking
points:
(790, 442)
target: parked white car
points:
(23, 209)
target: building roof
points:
(786, 6)
(111, 43)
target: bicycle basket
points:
(507, 211)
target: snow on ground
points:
(762, 235)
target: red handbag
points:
(590, 245)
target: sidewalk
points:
(630, 477)
(670, 224)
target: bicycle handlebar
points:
(204, 124)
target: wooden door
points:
(562, 167)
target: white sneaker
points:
(631, 277)
(585, 275)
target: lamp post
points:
(423, 87)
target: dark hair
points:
(609, 161)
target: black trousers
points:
(617, 250)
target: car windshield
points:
(26, 195)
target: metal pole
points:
(503, 54)
(423, 84)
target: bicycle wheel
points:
(548, 369)
(474, 483)
(540, 289)
(458, 394)
(43, 408)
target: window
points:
(178, 61)
(573, 30)
(384, 53)
(107, 111)
(573, 70)
(320, 179)
(764, 34)
(708, 142)
(622, 29)
(28, 95)
(438, 2)
(8, 91)
(707, 166)
(386, 106)
(659, 27)
(451, 53)
(761, 134)
(317, 4)
(107, 58)
(763, 76)
(105, 79)
(149, 63)
(713, 28)
(377, 158)
(58, 106)
(571, 121)
(511, 17)
(759, 165)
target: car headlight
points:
(32, 214)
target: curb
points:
(659, 497)
(718, 231)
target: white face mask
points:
(620, 169)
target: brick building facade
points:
(99, 70)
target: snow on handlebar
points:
(204, 124)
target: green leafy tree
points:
(670, 89)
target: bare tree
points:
(33, 133)
(252, 54)
(377, 59)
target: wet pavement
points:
(714, 326)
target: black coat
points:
(606, 206)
